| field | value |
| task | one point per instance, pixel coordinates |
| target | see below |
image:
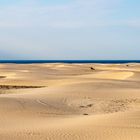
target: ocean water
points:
(70, 61)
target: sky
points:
(69, 29)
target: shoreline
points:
(69, 61)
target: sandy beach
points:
(70, 101)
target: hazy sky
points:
(69, 29)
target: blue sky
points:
(69, 29)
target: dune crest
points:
(114, 75)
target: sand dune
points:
(111, 75)
(73, 102)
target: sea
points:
(69, 61)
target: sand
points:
(69, 102)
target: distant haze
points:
(70, 29)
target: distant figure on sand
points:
(92, 68)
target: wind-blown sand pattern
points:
(70, 102)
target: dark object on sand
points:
(82, 106)
(2, 76)
(90, 105)
(92, 68)
(127, 65)
(85, 114)
(18, 87)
